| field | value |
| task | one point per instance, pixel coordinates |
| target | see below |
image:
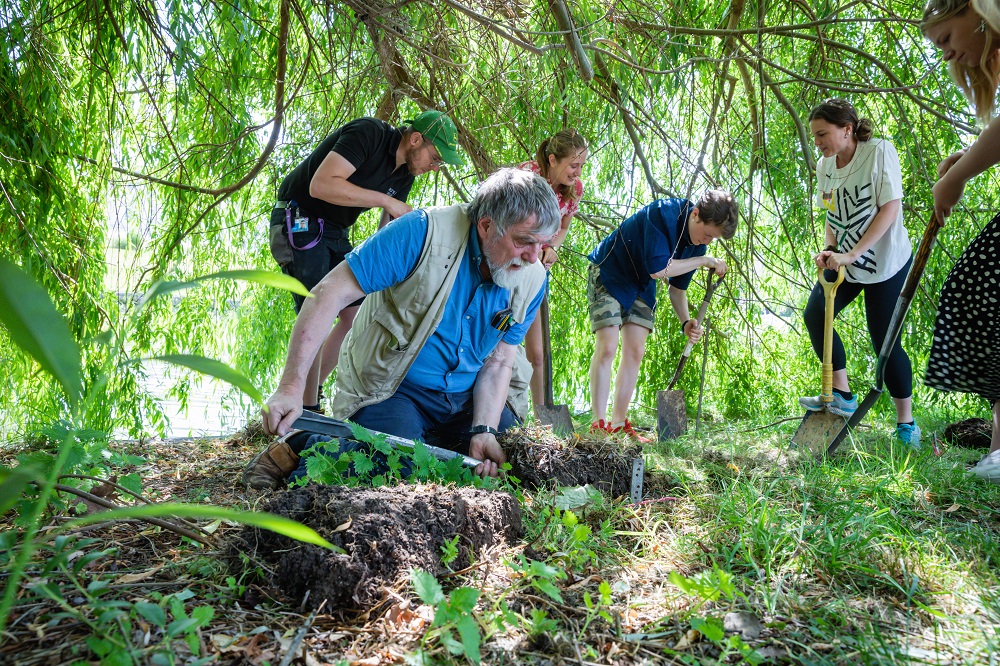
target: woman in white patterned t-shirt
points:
(860, 191)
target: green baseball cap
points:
(441, 131)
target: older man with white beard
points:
(451, 294)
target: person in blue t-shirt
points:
(666, 239)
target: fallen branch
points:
(167, 525)
(293, 647)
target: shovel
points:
(325, 425)
(818, 428)
(671, 410)
(549, 413)
(895, 326)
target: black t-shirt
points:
(367, 143)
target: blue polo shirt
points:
(642, 245)
(455, 352)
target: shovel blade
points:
(556, 416)
(817, 431)
(671, 414)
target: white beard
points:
(506, 277)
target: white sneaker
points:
(989, 467)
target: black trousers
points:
(880, 301)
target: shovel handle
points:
(700, 317)
(543, 312)
(830, 285)
(829, 292)
(709, 290)
(703, 308)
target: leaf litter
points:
(255, 621)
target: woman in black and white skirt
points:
(965, 353)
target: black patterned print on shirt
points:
(847, 219)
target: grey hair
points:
(510, 196)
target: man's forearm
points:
(338, 289)
(679, 302)
(681, 266)
(490, 391)
(342, 192)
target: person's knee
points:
(813, 315)
(605, 347)
(534, 353)
(633, 354)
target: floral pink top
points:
(565, 207)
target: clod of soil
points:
(970, 433)
(385, 531)
(538, 458)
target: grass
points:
(873, 553)
(879, 556)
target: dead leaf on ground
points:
(136, 577)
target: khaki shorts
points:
(605, 310)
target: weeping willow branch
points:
(800, 128)
(565, 22)
(399, 77)
(279, 112)
(612, 93)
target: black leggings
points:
(880, 301)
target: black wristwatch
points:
(480, 429)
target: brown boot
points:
(269, 468)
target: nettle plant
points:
(81, 459)
(382, 464)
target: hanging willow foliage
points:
(141, 141)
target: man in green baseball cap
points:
(440, 130)
(367, 163)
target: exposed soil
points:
(385, 531)
(970, 433)
(538, 459)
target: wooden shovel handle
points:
(700, 317)
(703, 308)
(829, 292)
(549, 398)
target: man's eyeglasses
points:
(436, 160)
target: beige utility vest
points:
(393, 325)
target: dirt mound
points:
(538, 458)
(970, 433)
(388, 532)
